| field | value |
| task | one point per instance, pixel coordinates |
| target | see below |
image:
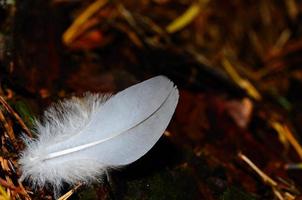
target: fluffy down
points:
(61, 119)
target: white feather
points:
(80, 138)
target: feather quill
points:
(80, 138)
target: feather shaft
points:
(84, 146)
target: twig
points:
(4, 183)
(70, 192)
(8, 183)
(17, 117)
(8, 130)
(281, 195)
(129, 18)
(264, 177)
(23, 191)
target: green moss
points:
(25, 113)
(88, 194)
(166, 185)
(233, 193)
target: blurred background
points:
(237, 130)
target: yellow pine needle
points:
(281, 135)
(3, 194)
(284, 130)
(243, 83)
(75, 29)
(186, 18)
(292, 8)
(293, 166)
(283, 39)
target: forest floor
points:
(237, 131)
